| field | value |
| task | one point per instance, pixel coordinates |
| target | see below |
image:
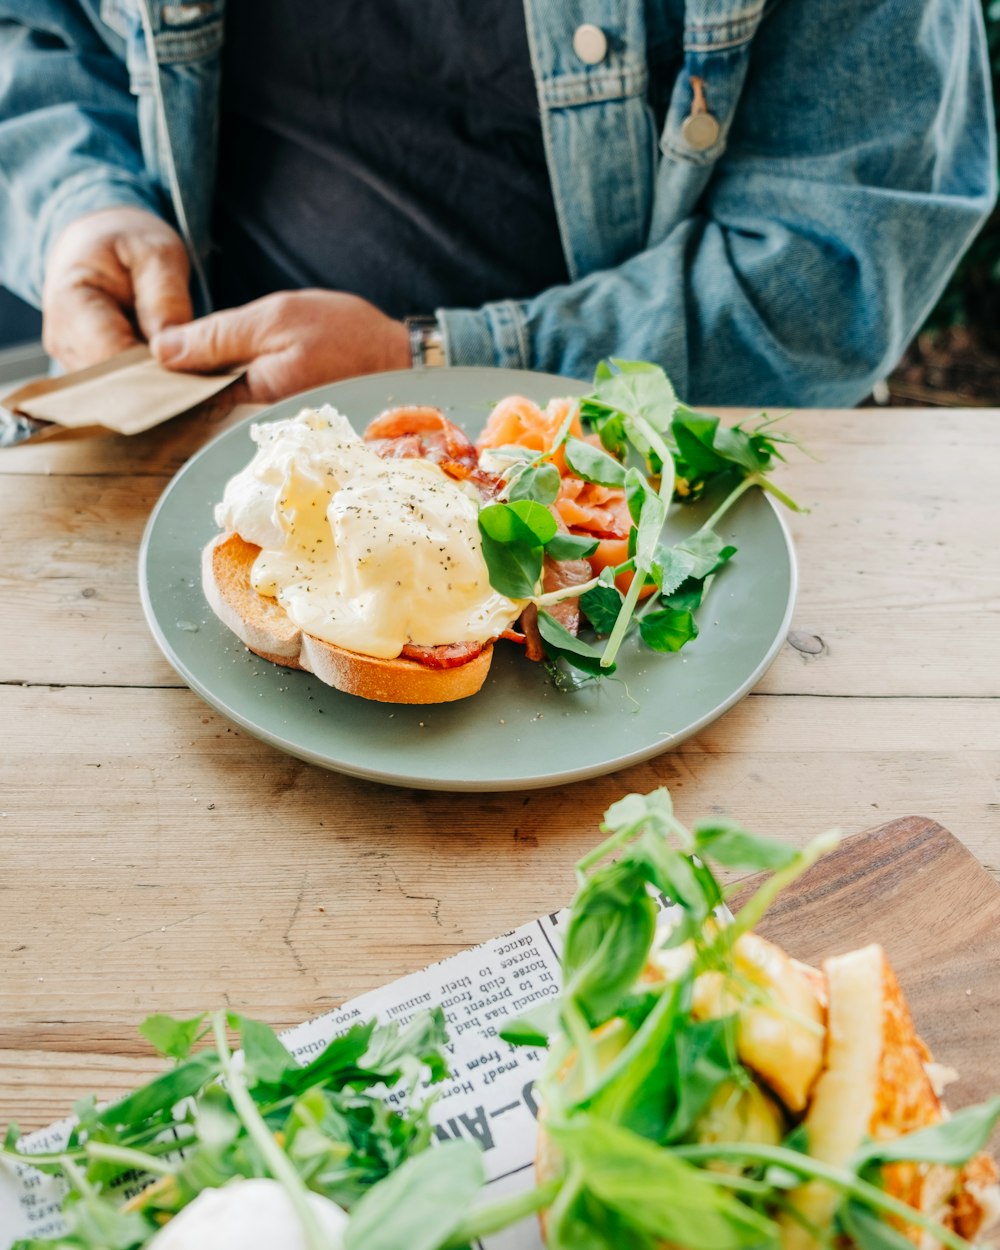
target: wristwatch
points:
(426, 342)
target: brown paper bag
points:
(127, 394)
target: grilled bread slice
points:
(263, 625)
(876, 1084)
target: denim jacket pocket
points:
(183, 33)
(716, 55)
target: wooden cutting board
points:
(913, 887)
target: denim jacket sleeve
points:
(854, 169)
(69, 137)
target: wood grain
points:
(154, 858)
(913, 887)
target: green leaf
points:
(571, 546)
(339, 1063)
(632, 388)
(265, 1059)
(101, 1224)
(675, 875)
(511, 548)
(535, 1027)
(636, 1090)
(952, 1142)
(707, 551)
(673, 567)
(868, 1231)
(657, 1191)
(667, 629)
(694, 433)
(687, 597)
(652, 515)
(560, 644)
(601, 606)
(637, 491)
(420, 1204)
(593, 465)
(164, 1092)
(608, 938)
(535, 517)
(635, 810)
(539, 482)
(422, 1040)
(703, 1059)
(170, 1037)
(729, 844)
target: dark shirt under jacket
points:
(388, 148)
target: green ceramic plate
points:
(519, 732)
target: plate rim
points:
(467, 785)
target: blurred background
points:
(954, 361)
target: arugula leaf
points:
(170, 1037)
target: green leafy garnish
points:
(635, 410)
(657, 1129)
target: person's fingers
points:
(159, 284)
(84, 325)
(211, 343)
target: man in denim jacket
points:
(766, 198)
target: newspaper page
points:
(487, 1097)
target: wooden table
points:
(155, 859)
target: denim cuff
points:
(496, 334)
(87, 192)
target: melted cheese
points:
(366, 553)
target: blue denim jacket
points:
(783, 255)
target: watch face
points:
(426, 342)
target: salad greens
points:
(635, 411)
(652, 1130)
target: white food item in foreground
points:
(365, 553)
(248, 1215)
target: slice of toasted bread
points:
(263, 625)
(875, 1084)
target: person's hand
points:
(112, 279)
(289, 342)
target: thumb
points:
(212, 343)
(160, 287)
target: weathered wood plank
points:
(899, 579)
(170, 863)
(909, 884)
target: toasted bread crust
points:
(262, 624)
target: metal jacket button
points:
(700, 131)
(590, 44)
